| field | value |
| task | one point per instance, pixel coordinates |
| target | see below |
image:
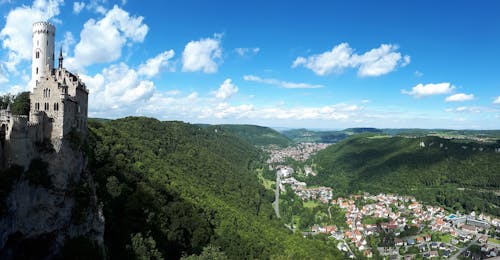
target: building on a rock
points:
(58, 100)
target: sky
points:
(291, 64)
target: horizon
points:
(288, 65)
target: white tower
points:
(43, 49)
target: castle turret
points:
(43, 49)
(60, 59)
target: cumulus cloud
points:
(226, 90)
(153, 66)
(16, 34)
(497, 100)
(245, 51)
(376, 62)
(78, 7)
(430, 89)
(279, 83)
(460, 97)
(102, 41)
(202, 55)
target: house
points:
(422, 248)
(420, 240)
(331, 229)
(399, 242)
(408, 257)
(427, 238)
(410, 242)
(433, 254)
(368, 253)
(342, 247)
(446, 253)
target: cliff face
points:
(47, 202)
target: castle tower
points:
(43, 49)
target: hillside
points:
(310, 136)
(256, 135)
(458, 174)
(170, 189)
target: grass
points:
(311, 204)
(268, 184)
(494, 240)
(446, 238)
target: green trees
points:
(171, 189)
(461, 175)
(20, 103)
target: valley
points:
(383, 225)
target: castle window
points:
(37, 71)
(37, 106)
(37, 54)
(56, 106)
(46, 106)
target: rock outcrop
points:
(48, 200)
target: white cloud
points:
(376, 62)
(430, 89)
(153, 66)
(279, 83)
(67, 43)
(103, 40)
(202, 55)
(460, 97)
(245, 51)
(471, 109)
(116, 89)
(16, 34)
(418, 73)
(78, 7)
(334, 61)
(497, 100)
(226, 90)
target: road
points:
(276, 203)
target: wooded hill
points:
(256, 135)
(170, 189)
(459, 174)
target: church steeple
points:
(60, 58)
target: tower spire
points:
(60, 58)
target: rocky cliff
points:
(48, 203)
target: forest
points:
(172, 190)
(459, 174)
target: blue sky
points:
(315, 64)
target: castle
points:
(58, 101)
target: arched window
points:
(36, 70)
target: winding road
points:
(276, 203)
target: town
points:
(404, 227)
